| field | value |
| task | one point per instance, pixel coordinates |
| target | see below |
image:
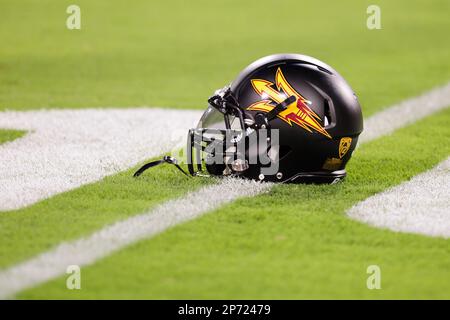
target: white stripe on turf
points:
(69, 148)
(421, 205)
(406, 112)
(102, 243)
(85, 251)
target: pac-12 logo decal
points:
(297, 112)
(344, 146)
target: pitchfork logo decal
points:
(297, 112)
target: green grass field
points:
(293, 242)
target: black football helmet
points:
(285, 118)
(315, 113)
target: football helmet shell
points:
(314, 111)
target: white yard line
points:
(114, 237)
(421, 205)
(406, 112)
(66, 149)
(85, 251)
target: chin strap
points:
(165, 159)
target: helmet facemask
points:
(217, 145)
(228, 142)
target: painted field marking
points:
(65, 149)
(421, 205)
(86, 251)
(406, 112)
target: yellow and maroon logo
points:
(297, 112)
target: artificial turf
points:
(176, 53)
(294, 242)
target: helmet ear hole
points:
(327, 113)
